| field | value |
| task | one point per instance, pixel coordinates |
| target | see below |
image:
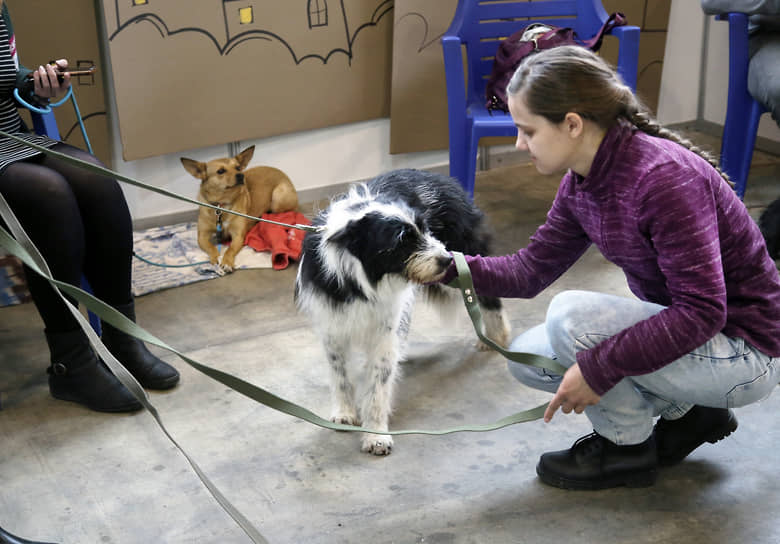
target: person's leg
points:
(47, 210)
(579, 319)
(623, 419)
(105, 225)
(49, 213)
(764, 71)
(536, 341)
(594, 462)
(108, 254)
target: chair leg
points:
(739, 138)
(471, 168)
(94, 320)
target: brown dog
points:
(225, 183)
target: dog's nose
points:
(444, 262)
(239, 179)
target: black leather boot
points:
(593, 462)
(8, 538)
(77, 375)
(150, 371)
(678, 437)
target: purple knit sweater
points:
(681, 236)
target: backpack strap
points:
(616, 19)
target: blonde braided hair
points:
(571, 78)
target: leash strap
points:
(32, 258)
(106, 172)
(29, 254)
(466, 286)
(254, 392)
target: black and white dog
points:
(380, 245)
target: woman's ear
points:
(574, 124)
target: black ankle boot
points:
(150, 371)
(678, 437)
(593, 462)
(77, 375)
(8, 538)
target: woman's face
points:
(550, 145)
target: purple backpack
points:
(534, 37)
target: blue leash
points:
(47, 109)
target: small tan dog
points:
(225, 183)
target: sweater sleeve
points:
(552, 250)
(678, 215)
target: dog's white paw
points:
(225, 269)
(345, 419)
(377, 444)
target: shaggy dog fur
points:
(380, 245)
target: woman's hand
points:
(574, 394)
(46, 82)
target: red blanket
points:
(284, 243)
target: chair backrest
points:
(482, 24)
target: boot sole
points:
(644, 478)
(130, 407)
(716, 435)
(160, 385)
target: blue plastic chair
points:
(743, 112)
(46, 124)
(480, 25)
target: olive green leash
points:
(22, 247)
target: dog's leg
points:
(342, 393)
(376, 405)
(496, 324)
(229, 258)
(204, 241)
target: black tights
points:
(80, 223)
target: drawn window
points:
(245, 15)
(318, 13)
(139, 2)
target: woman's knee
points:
(39, 193)
(567, 310)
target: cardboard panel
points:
(41, 36)
(207, 72)
(652, 17)
(657, 15)
(651, 62)
(419, 95)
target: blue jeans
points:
(723, 373)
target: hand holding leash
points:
(51, 80)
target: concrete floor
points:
(74, 476)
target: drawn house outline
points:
(221, 22)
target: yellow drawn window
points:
(245, 15)
(139, 2)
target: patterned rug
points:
(13, 287)
(174, 251)
(178, 260)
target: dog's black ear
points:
(197, 169)
(245, 156)
(343, 236)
